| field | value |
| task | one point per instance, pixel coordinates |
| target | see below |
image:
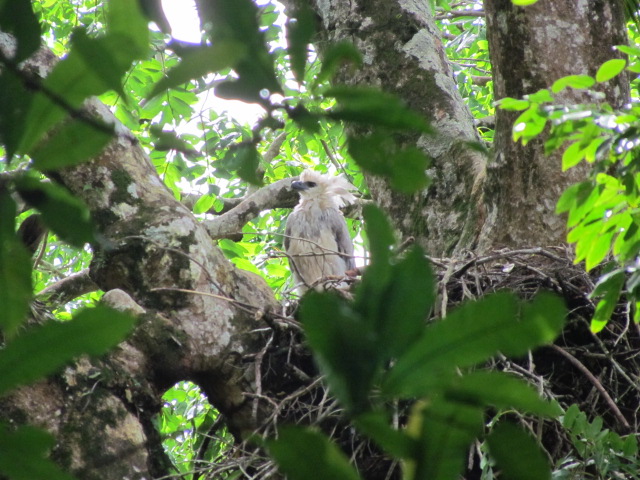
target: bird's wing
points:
(287, 233)
(338, 226)
(306, 269)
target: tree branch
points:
(596, 383)
(276, 195)
(150, 242)
(67, 289)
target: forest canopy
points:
(150, 323)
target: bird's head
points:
(314, 186)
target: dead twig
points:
(596, 383)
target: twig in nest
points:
(405, 244)
(258, 375)
(596, 383)
(509, 253)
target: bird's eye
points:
(311, 184)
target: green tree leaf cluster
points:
(601, 210)
(377, 351)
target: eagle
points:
(317, 239)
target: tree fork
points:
(148, 240)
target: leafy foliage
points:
(296, 446)
(29, 445)
(377, 349)
(529, 465)
(601, 210)
(15, 269)
(611, 455)
(464, 31)
(192, 432)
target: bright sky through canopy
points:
(185, 26)
(183, 18)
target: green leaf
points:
(572, 156)
(305, 119)
(244, 89)
(610, 287)
(169, 140)
(529, 463)
(631, 51)
(523, 3)
(501, 390)
(15, 101)
(400, 310)
(99, 58)
(232, 249)
(378, 154)
(15, 270)
(591, 151)
(571, 416)
(598, 250)
(378, 274)
(610, 69)
(300, 29)
(634, 67)
(372, 153)
(633, 282)
(303, 454)
(446, 430)
(204, 203)
(370, 106)
(237, 20)
(541, 96)
(379, 232)
(529, 124)
(24, 453)
(248, 160)
(344, 346)
(18, 19)
(409, 170)
(630, 446)
(92, 67)
(336, 55)
(472, 333)
(513, 104)
(578, 82)
(573, 195)
(127, 20)
(43, 350)
(636, 312)
(199, 62)
(54, 153)
(63, 213)
(376, 426)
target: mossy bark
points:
(532, 47)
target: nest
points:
(596, 372)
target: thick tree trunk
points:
(530, 48)
(199, 315)
(403, 54)
(100, 412)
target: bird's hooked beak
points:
(299, 186)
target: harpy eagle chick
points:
(317, 240)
